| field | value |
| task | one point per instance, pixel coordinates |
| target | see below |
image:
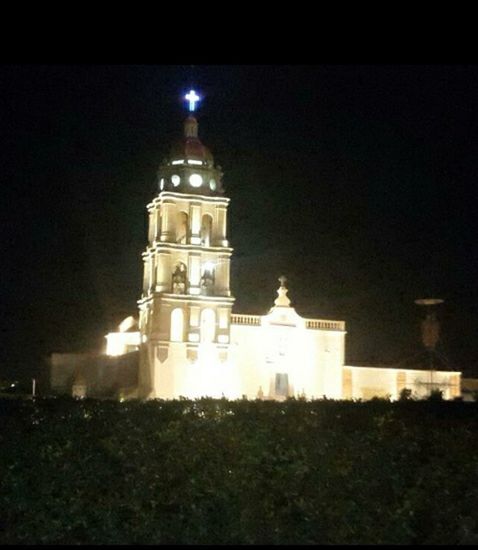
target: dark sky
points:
(356, 182)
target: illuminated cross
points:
(192, 97)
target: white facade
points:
(190, 342)
(271, 357)
(367, 382)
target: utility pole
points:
(430, 330)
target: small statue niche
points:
(180, 279)
(207, 283)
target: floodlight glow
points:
(195, 180)
(193, 98)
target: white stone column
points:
(224, 314)
(151, 227)
(222, 225)
(226, 270)
(145, 274)
(152, 273)
(195, 223)
(164, 271)
(220, 282)
(168, 231)
(194, 314)
(157, 230)
(194, 270)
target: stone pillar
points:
(164, 271)
(194, 316)
(194, 270)
(150, 227)
(153, 272)
(226, 261)
(195, 223)
(224, 314)
(157, 224)
(347, 388)
(221, 226)
(168, 231)
(145, 273)
(223, 323)
(222, 276)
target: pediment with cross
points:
(282, 313)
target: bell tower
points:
(185, 307)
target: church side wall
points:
(373, 382)
(329, 359)
(247, 355)
(368, 382)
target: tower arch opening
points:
(206, 230)
(177, 325)
(207, 279)
(182, 227)
(180, 279)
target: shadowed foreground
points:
(216, 471)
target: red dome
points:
(190, 147)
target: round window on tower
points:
(195, 180)
(212, 185)
(176, 180)
(161, 184)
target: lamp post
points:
(430, 329)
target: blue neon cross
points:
(192, 97)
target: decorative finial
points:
(430, 325)
(282, 291)
(191, 127)
(192, 98)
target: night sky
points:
(356, 182)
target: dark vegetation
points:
(216, 471)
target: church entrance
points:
(282, 385)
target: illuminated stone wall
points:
(369, 382)
(312, 360)
(269, 357)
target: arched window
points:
(206, 230)
(180, 279)
(207, 279)
(208, 325)
(182, 228)
(177, 325)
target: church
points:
(185, 340)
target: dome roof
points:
(190, 146)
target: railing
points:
(320, 324)
(317, 324)
(253, 320)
